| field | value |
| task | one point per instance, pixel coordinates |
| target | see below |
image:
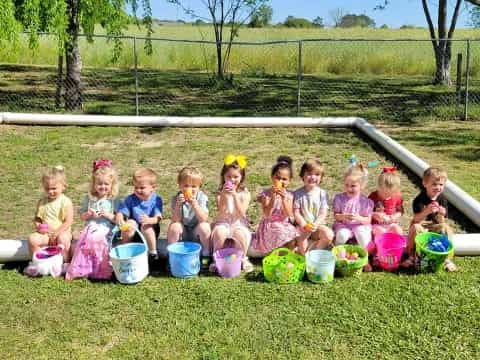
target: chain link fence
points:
(376, 79)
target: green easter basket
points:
(430, 260)
(283, 266)
(350, 267)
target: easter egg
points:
(233, 256)
(124, 227)
(290, 265)
(342, 254)
(308, 227)
(188, 194)
(43, 227)
(229, 185)
(355, 255)
(277, 184)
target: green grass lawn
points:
(378, 315)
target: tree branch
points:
(455, 15)
(431, 28)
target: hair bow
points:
(240, 159)
(97, 164)
(389, 169)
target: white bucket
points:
(130, 261)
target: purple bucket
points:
(228, 262)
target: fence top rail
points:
(259, 43)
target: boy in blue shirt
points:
(143, 210)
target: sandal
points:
(247, 265)
(450, 266)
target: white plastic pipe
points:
(14, 250)
(163, 121)
(466, 244)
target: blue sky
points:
(399, 12)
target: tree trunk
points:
(219, 61)
(443, 55)
(73, 82)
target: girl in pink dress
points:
(276, 228)
(353, 210)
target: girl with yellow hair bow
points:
(232, 199)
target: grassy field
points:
(378, 315)
(322, 57)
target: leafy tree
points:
(261, 17)
(441, 35)
(66, 18)
(474, 14)
(384, 26)
(293, 22)
(336, 16)
(352, 20)
(318, 22)
(224, 15)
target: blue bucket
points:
(129, 261)
(184, 259)
(320, 266)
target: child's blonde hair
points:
(434, 172)
(389, 180)
(191, 174)
(145, 174)
(57, 174)
(312, 165)
(358, 173)
(105, 171)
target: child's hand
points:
(442, 210)
(105, 214)
(181, 199)
(355, 218)
(280, 191)
(144, 219)
(92, 213)
(432, 207)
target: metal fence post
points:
(136, 73)
(467, 79)
(299, 77)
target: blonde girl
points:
(388, 203)
(310, 209)
(53, 215)
(90, 258)
(232, 200)
(353, 210)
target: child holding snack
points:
(276, 227)
(190, 213)
(310, 209)
(232, 200)
(143, 209)
(387, 203)
(353, 210)
(54, 214)
(430, 208)
(90, 258)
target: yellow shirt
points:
(53, 212)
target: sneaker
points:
(247, 265)
(205, 263)
(152, 261)
(450, 266)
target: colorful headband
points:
(240, 159)
(97, 164)
(389, 170)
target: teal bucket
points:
(184, 259)
(320, 266)
(129, 261)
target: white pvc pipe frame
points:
(455, 195)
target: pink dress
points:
(343, 204)
(276, 230)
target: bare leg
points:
(174, 233)
(203, 231)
